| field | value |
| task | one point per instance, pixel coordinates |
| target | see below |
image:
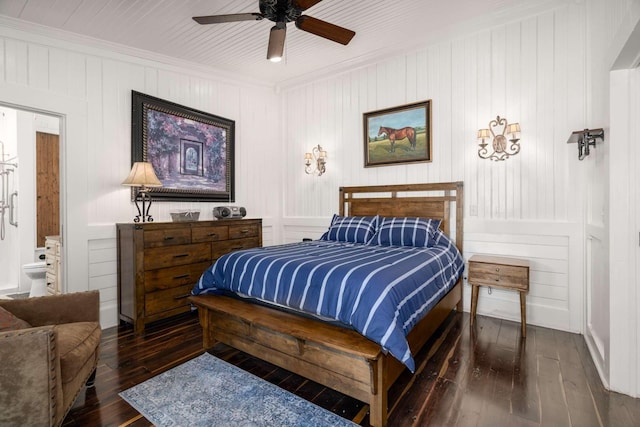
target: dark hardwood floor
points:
(485, 376)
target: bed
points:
(337, 354)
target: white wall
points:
(610, 231)
(549, 72)
(90, 87)
(526, 206)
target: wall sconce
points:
(142, 175)
(585, 139)
(497, 129)
(320, 157)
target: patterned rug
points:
(207, 391)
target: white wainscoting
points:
(554, 250)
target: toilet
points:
(36, 271)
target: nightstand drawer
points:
(499, 275)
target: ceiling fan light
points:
(276, 43)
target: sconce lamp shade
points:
(483, 133)
(513, 128)
(142, 175)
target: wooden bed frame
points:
(336, 357)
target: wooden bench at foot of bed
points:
(333, 356)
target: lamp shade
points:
(483, 133)
(142, 175)
(513, 128)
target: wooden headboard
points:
(438, 200)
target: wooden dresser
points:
(160, 262)
(52, 260)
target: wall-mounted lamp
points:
(315, 162)
(142, 175)
(497, 130)
(585, 139)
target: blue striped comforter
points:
(380, 291)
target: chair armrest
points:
(31, 392)
(56, 309)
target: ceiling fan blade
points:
(305, 4)
(325, 29)
(276, 42)
(235, 17)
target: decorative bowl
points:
(184, 216)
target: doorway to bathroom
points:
(30, 197)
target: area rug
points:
(207, 391)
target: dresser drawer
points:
(166, 237)
(173, 277)
(52, 248)
(51, 281)
(508, 276)
(209, 234)
(241, 231)
(176, 255)
(157, 302)
(51, 265)
(222, 248)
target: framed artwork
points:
(398, 135)
(191, 151)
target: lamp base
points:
(143, 214)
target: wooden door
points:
(47, 186)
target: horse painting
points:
(398, 135)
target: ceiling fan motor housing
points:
(279, 10)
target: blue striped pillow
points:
(403, 231)
(352, 229)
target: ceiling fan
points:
(282, 12)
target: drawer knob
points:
(212, 234)
(168, 237)
(235, 248)
(182, 276)
(180, 255)
(497, 270)
(244, 231)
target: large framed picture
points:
(191, 151)
(398, 135)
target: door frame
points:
(72, 113)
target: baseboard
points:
(597, 357)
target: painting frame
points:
(398, 135)
(163, 133)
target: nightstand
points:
(499, 272)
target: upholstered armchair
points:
(48, 352)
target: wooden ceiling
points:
(383, 28)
